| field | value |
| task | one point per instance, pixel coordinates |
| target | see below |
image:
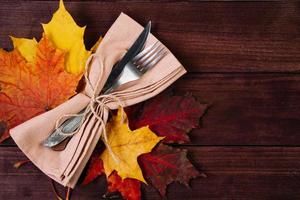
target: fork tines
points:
(150, 56)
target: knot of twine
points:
(96, 107)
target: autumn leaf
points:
(68, 36)
(129, 188)
(127, 145)
(164, 165)
(26, 47)
(94, 168)
(167, 115)
(29, 89)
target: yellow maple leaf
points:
(63, 31)
(127, 145)
(26, 47)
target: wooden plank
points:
(206, 36)
(233, 173)
(246, 109)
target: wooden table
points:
(242, 58)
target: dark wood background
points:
(242, 57)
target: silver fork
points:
(132, 71)
(139, 65)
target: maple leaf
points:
(94, 168)
(129, 188)
(27, 47)
(167, 115)
(29, 89)
(68, 36)
(127, 145)
(164, 165)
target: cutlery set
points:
(136, 62)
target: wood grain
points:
(246, 109)
(243, 58)
(207, 37)
(233, 173)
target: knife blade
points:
(130, 54)
(72, 123)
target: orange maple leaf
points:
(27, 89)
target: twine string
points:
(96, 107)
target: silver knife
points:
(73, 123)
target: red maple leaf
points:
(129, 188)
(164, 165)
(94, 169)
(167, 115)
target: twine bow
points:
(96, 107)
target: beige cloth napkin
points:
(66, 166)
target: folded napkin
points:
(66, 166)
